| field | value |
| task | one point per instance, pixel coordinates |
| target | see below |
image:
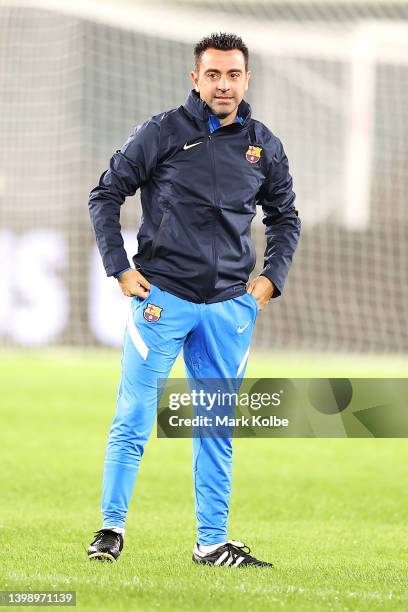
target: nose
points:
(223, 84)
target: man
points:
(202, 169)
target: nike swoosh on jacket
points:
(198, 203)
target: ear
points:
(248, 76)
(194, 78)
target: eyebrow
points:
(219, 71)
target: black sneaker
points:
(106, 546)
(233, 554)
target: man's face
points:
(221, 80)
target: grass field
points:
(331, 514)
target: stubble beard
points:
(224, 114)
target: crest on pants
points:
(253, 154)
(152, 313)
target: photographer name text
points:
(226, 421)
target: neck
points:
(229, 119)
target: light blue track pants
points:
(215, 339)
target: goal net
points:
(329, 78)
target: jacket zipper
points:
(216, 207)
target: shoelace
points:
(111, 538)
(238, 549)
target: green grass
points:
(331, 514)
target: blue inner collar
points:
(214, 122)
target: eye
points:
(212, 75)
(235, 75)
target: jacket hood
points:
(199, 109)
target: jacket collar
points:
(199, 109)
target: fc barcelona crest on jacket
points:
(253, 154)
(152, 313)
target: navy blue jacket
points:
(199, 193)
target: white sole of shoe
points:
(102, 555)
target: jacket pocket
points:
(164, 221)
(252, 255)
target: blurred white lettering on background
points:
(108, 307)
(34, 304)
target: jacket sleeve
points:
(129, 168)
(280, 218)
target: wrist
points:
(119, 274)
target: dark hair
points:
(222, 42)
